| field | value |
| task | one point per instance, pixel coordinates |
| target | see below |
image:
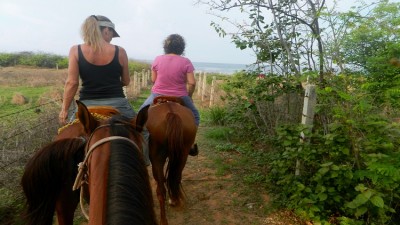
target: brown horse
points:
(117, 187)
(172, 132)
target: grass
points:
(31, 93)
(138, 101)
(215, 116)
(232, 156)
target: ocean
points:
(222, 68)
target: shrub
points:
(349, 162)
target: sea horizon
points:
(208, 67)
(222, 68)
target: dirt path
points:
(211, 199)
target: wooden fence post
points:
(149, 81)
(199, 84)
(135, 84)
(143, 79)
(213, 83)
(310, 100)
(203, 88)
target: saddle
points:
(98, 112)
(107, 111)
(163, 99)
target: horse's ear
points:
(85, 117)
(141, 118)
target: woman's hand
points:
(62, 117)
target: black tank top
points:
(100, 81)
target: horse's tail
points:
(176, 156)
(45, 176)
(129, 192)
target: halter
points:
(83, 173)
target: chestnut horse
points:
(116, 182)
(172, 130)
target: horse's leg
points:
(66, 205)
(157, 162)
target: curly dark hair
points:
(174, 44)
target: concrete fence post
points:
(310, 101)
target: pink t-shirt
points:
(171, 74)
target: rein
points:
(83, 174)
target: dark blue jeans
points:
(186, 99)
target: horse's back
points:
(157, 119)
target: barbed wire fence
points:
(21, 133)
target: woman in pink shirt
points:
(173, 75)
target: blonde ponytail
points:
(91, 33)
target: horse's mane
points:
(129, 190)
(127, 128)
(49, 170)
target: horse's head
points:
(116, 168)
(90, 122)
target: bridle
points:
(83, 172)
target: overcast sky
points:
(53, 26)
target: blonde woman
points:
(102, 68)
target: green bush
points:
(7, 59)
(349, 161)
(48, 60)
(349, 167)
(137, 66)
(215, 115)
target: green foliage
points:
(47, 60)
(373, 45)
(219, 133)
(137, 102)
(349, 168)
(254, 102)
(215, 115)
(348, 162)
(371, 35)
(44, 60)
(7, 59)
(137, 66)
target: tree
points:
(372, 43)
(291, 24)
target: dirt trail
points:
(213, 199)
(210, 199)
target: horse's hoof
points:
(171, 203)
(194, 150)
